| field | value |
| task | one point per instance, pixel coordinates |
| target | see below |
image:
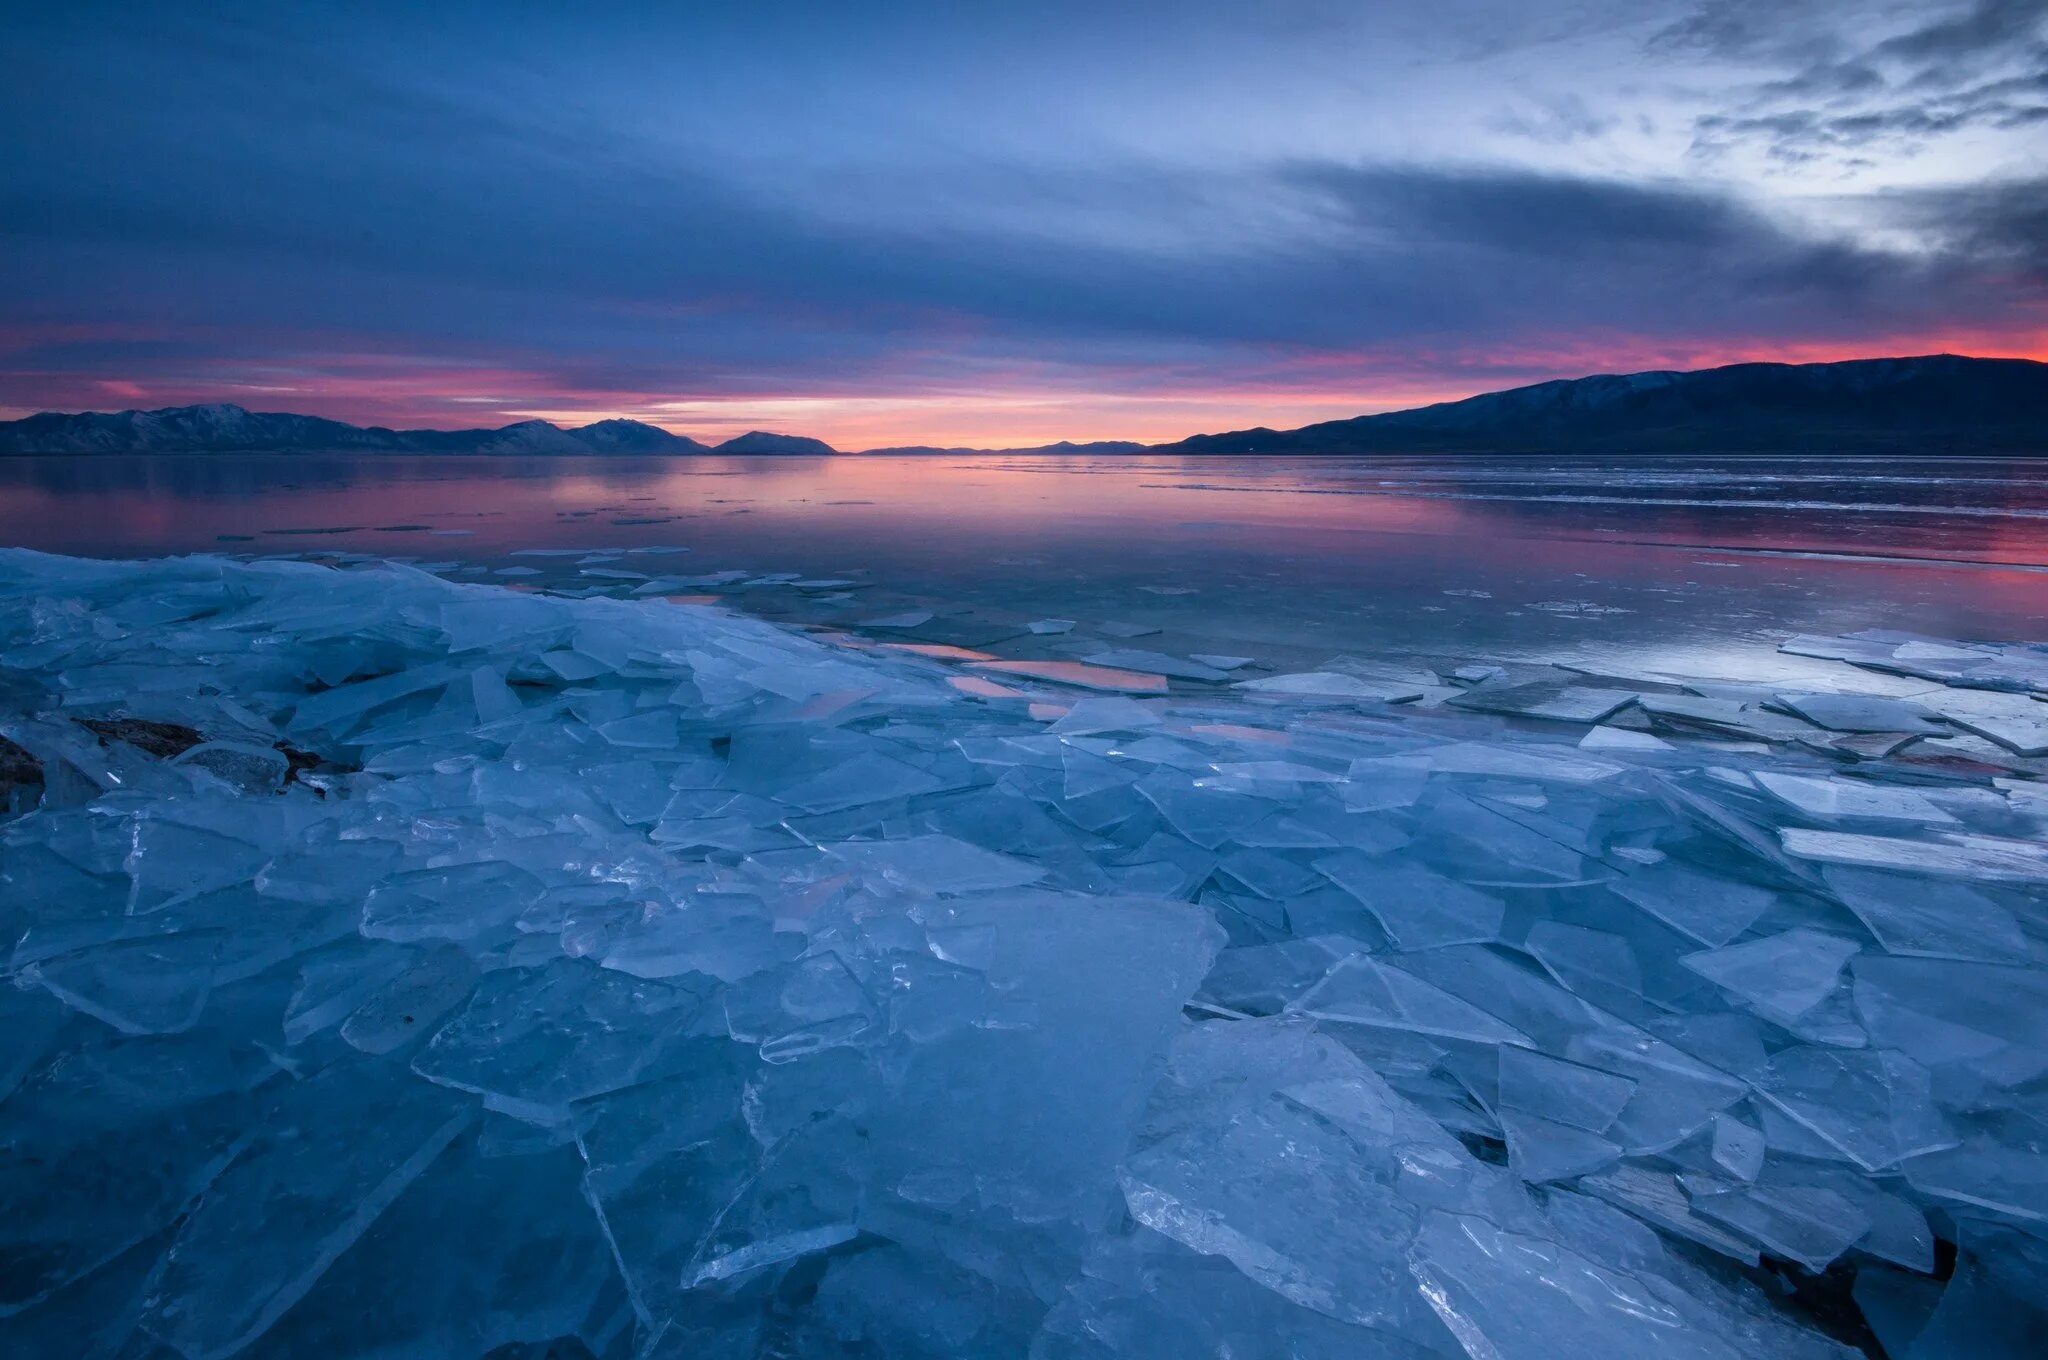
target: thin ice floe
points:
(403, 967)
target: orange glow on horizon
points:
(1019, 407)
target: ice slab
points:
(311, 1183)
(1418, 908)
(1544, 699)
(1081, 675)
(1859, 713)
(1875, 1106)
(1851, 799)
(1364, 991)
(1707, 907)
(938, 864)
(1990, 859)
(1154, 663)
(1929, 917)
(1564, 1093)
(1330, 686)
(1782, 976)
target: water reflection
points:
(1486, 554)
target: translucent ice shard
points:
(1419, 908)
(1980, 1016)
(1330, 686)
(1621, 739)
(1738, 1149)
(1811, 1226)
(1510, 1295)
(1082, 675)
(1783, 976)
(1364, 991)
(1850, 799)
(1877, 1107)
(322, 1171)
(1562, 1092)
(2018, 723)
(1932, 918)
(1993, 860)
(1859, 713)
(863, 779)
(1711, 909)
(1544, 699)
(532, 1041)
(1544, 1150)
(938, 863)
(1154, 663)
(154, 985)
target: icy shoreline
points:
(506, 967)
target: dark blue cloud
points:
(770, 197)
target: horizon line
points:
(1359, 407)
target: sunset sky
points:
(998, 224)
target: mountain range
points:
(222, 428)
(1928, 405)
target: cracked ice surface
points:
(497, 973)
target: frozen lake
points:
(1395, 908)
(1671, 565)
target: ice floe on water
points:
(404, 967)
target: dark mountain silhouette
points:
(227, 429)
(761, 441)
(1931, 405)
(1934, 404)
(1099, 446)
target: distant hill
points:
(1934, 404)
(761, 441)
(1065, 446)
(227, 429)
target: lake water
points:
(1693, 567)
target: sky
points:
(997, 224)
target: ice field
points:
(403, 967)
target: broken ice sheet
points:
(912, 1105)
(2014, 721)
(1546, 699)
(1877, 1107)
(534, 1040)
(1709, 908)
(1929, 917)
(938, 863)
(1543, 1150)
(1782, 976)
(1859, 713)
(1330, 686)
(1080, 674)
(1809, 1225)
(1561, 1092)
(1519, 1296)
(1990, 859)
(1156, 663)
(1418, 907)
(339, 1150)
(153, 985)
(1850, 798)
(1364, 991)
